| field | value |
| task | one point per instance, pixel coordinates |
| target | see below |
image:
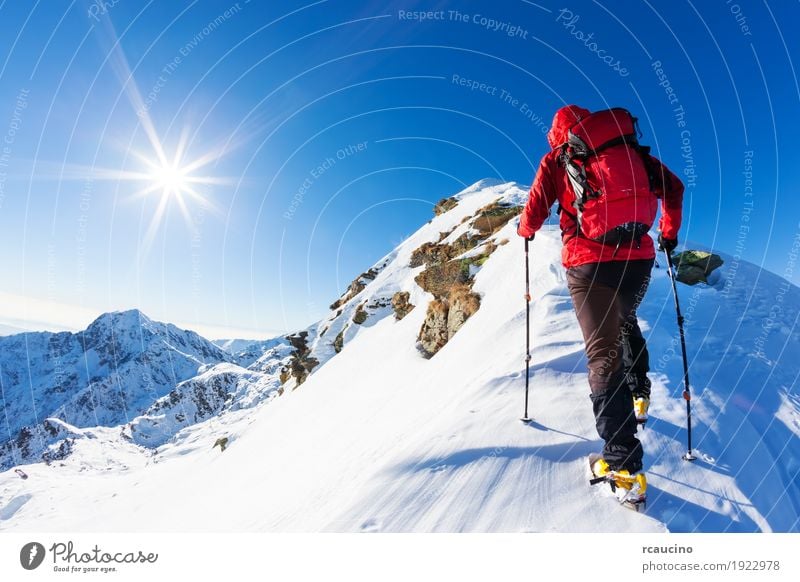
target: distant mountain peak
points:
(128, 317)
(487, 183)
(102, 376)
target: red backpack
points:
(611, 177)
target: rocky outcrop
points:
(401, 304)
(357, 286)
(443, 271)
(360, 316)
(445, 317)
(59, 451)
(439, 279)
(433, 333)
(448, 274)
(301, 363)
(338, 343)
(431, 254)
(462, 303)
(693, 267)
(444, 205)
(493, 217)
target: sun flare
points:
(174, 181)
(170, 180)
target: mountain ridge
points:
(370, 432)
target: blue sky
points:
(330, 128)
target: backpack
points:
(612, 178)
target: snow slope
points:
(379, 438)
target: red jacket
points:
(551, 184)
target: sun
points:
(174, 181)
(170, 180)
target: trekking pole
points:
(686, 393)
(526, 419)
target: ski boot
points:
(630, 490)
(640, 407)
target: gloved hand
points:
(527, 238)
(667, 244)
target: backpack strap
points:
(657, 178)
(574, 219)
(576, 173)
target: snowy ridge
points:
(222, 387)
(393, 273)
(378, 438)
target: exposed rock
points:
(433, 333)
(480, 259)
(430, 254)
(449, 279)
(301, 363)
(356, 287)
(444, 270)
(338, 343)
(438, 279)
(360, 316)
(379, 303)
(445, 317)
(462, 304)
(464, 243)
(299, 342)
(444, 205)
(401, 305)
(58, 451)
(301, 367)
(693, 267)
(29, 441)
(493, 217)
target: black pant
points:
(606, 296)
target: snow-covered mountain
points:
(105, 375)
(399, 410)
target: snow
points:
(380, 439)
(105, 375)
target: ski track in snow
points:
(379, 439)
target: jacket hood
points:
(564, 118)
